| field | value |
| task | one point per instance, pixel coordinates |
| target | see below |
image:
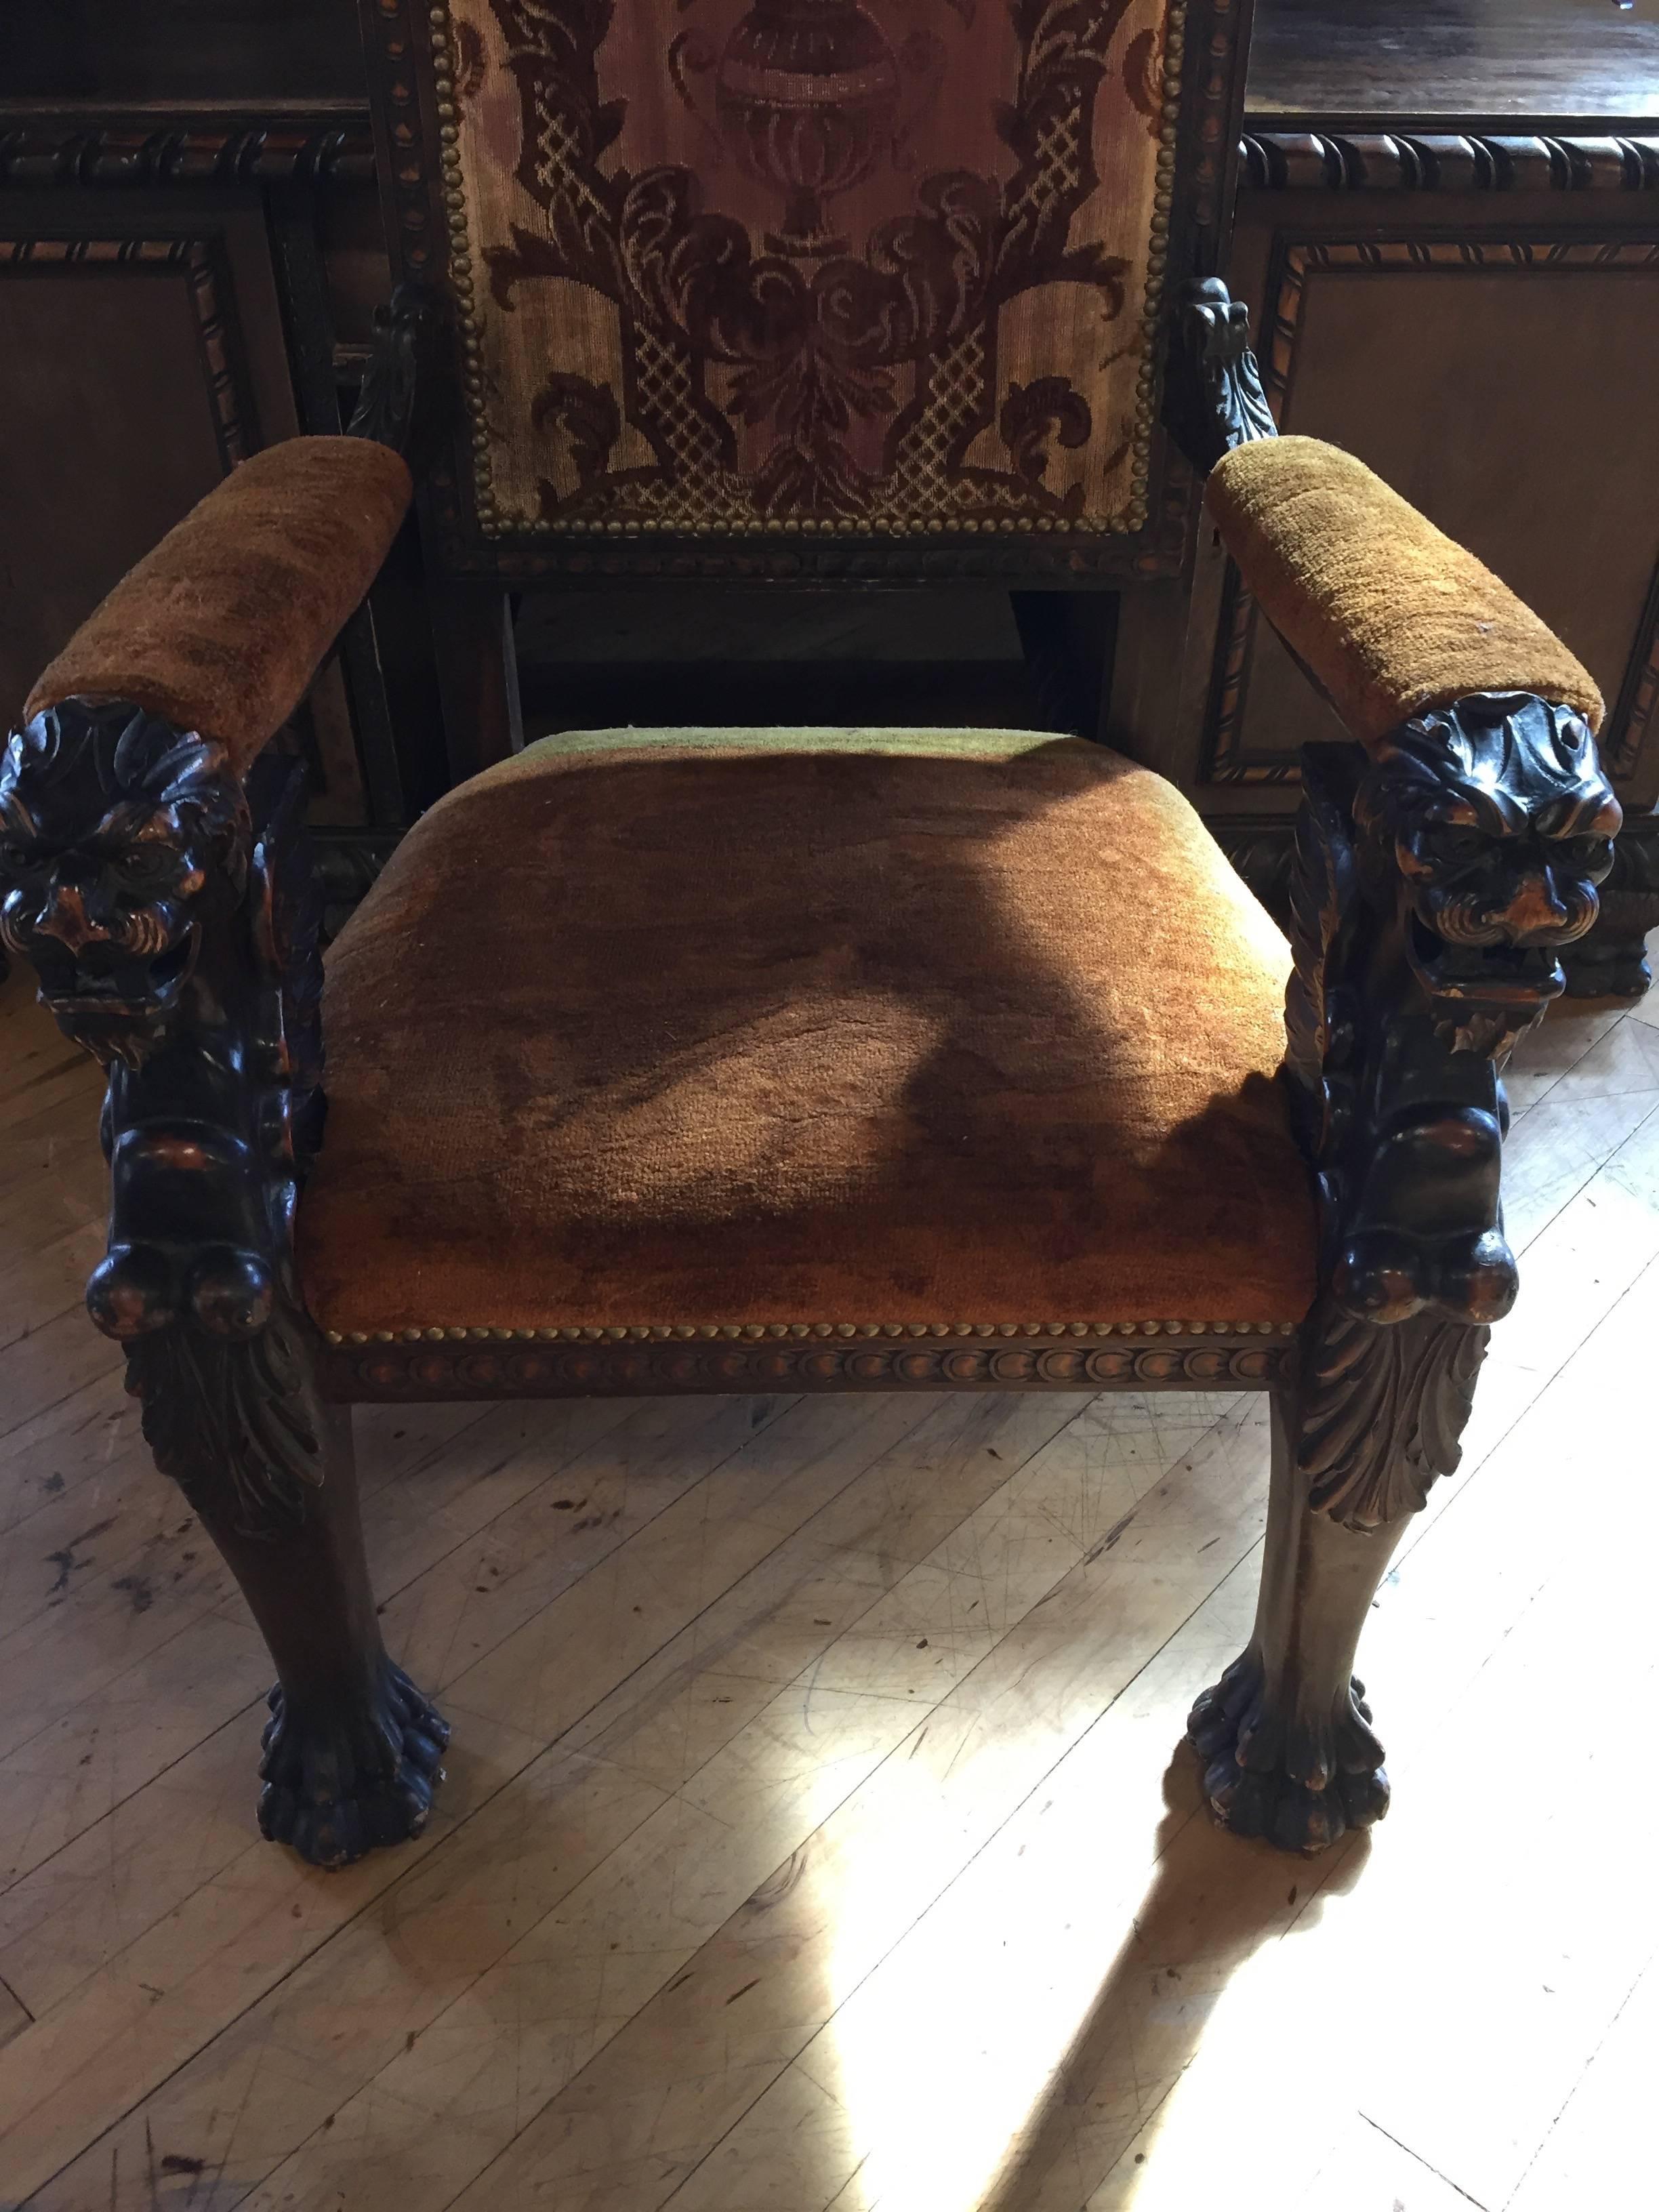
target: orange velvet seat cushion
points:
(764, 1027)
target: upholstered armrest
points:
(1388, 615)
(221, 629)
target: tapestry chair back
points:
(790, 274)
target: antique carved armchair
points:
(800, 1059)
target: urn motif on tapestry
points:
(808, 91)
(888, 269)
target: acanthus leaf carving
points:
(235, 1414)
(1384, 1411)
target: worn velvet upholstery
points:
(855, 1027)
(785, 269)
(1388, 614)
(221, 629)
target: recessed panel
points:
(1511, 401)
(108, 436)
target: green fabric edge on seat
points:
(808, 737)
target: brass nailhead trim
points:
(709, 1332)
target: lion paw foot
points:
(342, 1783)
(1299, 1782)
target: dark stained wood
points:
(904, 692)
(1611, 962)
(477, 675)
(103, 144)
(1212, 395)
(187, 964)
(1427, 939)
(406, 399)
(145, 355)
(1284, 1737)
(690, 654)
(167, 309)
(1422, 955)
(219, 52)
(1466, 444)
(1565, 58)
(1419, 961)
(1468, 302)
(1066, 641)
(353, 1750)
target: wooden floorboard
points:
(815, 1835)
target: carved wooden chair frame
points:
(188, 963)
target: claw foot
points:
(341, 1782)
(1300, 1782)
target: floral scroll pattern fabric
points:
(880, 265)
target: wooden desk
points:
(1457, 58)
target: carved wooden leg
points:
(352, 1749)
(1376, 1418)
(1434, 876)
(1285, 1738)
(189, 965)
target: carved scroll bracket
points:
(407, 400)
(1212, 394)
(170, 918)
(1434, 886)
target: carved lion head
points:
(111, 824)
(1500, 822)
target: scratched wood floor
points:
(813, 1837)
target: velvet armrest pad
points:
(1391, 615)
(221, 629)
